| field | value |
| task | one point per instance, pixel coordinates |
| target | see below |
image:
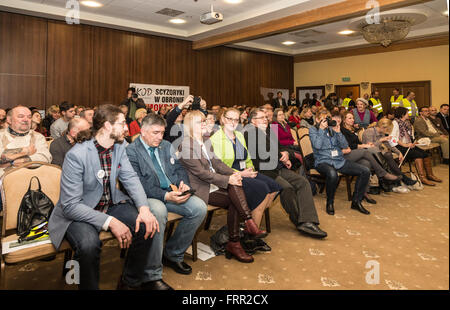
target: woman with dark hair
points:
(36, 123)
(294, 117)
(403, 132)
(283, 130)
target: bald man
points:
(18, 143)
(63, 144)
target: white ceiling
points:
(140, 16)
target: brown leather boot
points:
(429, 170)
(237, 196)
(422, 174)
(235, 249)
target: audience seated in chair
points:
(63, 144)
(19, 143)
(159, 170)
(230, 147)
(216, 183)
(296, 196)
(90, 202)
(67, 111)
(362, 115)
(283, 130)
(403, 132)
(328, 143)
(135, 126)
(425, 128)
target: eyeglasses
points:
(121, 123)
(233, 120)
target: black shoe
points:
(370, 200)
(121, 286)
(330, 208)
(158, 285)
(358, 206)
(311, 230)
(408, 181)
(179, 267)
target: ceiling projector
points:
(212, 17)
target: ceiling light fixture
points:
(346, 32)
(233, 1)
(92, 4)
(177, 21)
(288, 43)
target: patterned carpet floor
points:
(405, 238)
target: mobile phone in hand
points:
(189, 191)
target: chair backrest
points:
(294, 135)
(15, 185)
(305, 142)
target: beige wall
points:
(422, 64)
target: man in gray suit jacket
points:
(158, 168)
(90, 202)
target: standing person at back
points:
(67, 111)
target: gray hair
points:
(153, 119)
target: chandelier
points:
(386, 32)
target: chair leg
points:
(2, 275)
(208, 219)
(67, 257)
(267, 217)
(194, 247)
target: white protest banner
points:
(155, 96)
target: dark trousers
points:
(85, 241)
(233, 199)
(349, 168)
(413, 153)
(296, 197)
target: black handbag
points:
(34, 212)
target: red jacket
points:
(284, 135)
(296, 120)
(134, 128)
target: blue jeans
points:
(85, 241)
(193, 212)
(349, 168)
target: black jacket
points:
(252, 138)
(139, 105)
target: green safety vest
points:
(396, 103)
(412, 108)
(346, 102)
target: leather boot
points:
(429, 170)
(235, 249)
(237, 196)
(422, 174)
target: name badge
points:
(334, 153)
(172, 161)
(101, 174)
(242, 164)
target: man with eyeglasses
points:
(90, 202)
(275, 161)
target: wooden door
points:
(343, 90)
(422, 89)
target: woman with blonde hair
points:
(216, 183)
(307, 118)
(229, 146)
(135, 126)
(51, 116)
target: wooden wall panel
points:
(113, 65)
(90, 65)
(23, 48)
(69, 64)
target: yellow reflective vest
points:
(411, 106)
(396, 102)
(346, 102)
(377, 105)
